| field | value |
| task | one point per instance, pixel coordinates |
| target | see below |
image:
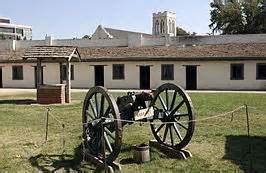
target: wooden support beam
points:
(68, 84)
(39, 72)
(61, 72)
(170, 152)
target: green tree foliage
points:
(2, 37)
(86, 37)
(245, 17)
(180, 31)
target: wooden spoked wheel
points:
(174, 105)
(98, 106)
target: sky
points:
(76, 18)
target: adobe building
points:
(121, 59)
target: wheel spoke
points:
(171, 135)
(93, 109)
(182, 125)
(180, 115)
(167, 99)
(173, 101)
(165, 132)
(177, 107)
(162, 102)
(102, 106)
(96, 104)
(107, 111)
(109, 147)
(177, 132)
(90, 115)
(161, 126)
(109, 133)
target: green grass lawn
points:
(217, 144)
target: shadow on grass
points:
(237, 150)
(19, 102)
(63, 162)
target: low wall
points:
(6, 44)
(24, 44)
(219, 39)
(91, 43)
(136, 40)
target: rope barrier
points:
(187, 121)
(63, 125)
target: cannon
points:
(168, 109)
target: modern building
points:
(14, 31)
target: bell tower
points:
(164, 23)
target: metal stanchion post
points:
(249, 141)
(47, 123)
(103, 144)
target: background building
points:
(164, 23)
(14, 31)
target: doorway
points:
(191, 77)
(1, 78)
(35, 76)
(99, 75)
(144, 76)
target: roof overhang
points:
(52, 53)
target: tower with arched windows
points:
(164, 23)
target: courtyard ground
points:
(217, 144)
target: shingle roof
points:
(225, 50)
(51, 52)
(202, 52)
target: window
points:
(162, 27)
(17, 72)
(261, 71)
(9, 30)
(237, 72)
(19, 31)
(157, 27)
(118, 71)
(167, 72)
(64, 71)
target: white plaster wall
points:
(28, 76)
(6, 44)
(153, 41)
(83, 75)
(131, 76)
(51, 73)
(210, 75)
(91, 43)
(216, 75)
(221, 39)
(134, 40)
(24, 44)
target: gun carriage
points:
(168, 109)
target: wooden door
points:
(99, 75)
(1, 78)
(144, 76)
(191, 77)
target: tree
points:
(180, 31)
(86, 37)
(2, 37)
(245, 17)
